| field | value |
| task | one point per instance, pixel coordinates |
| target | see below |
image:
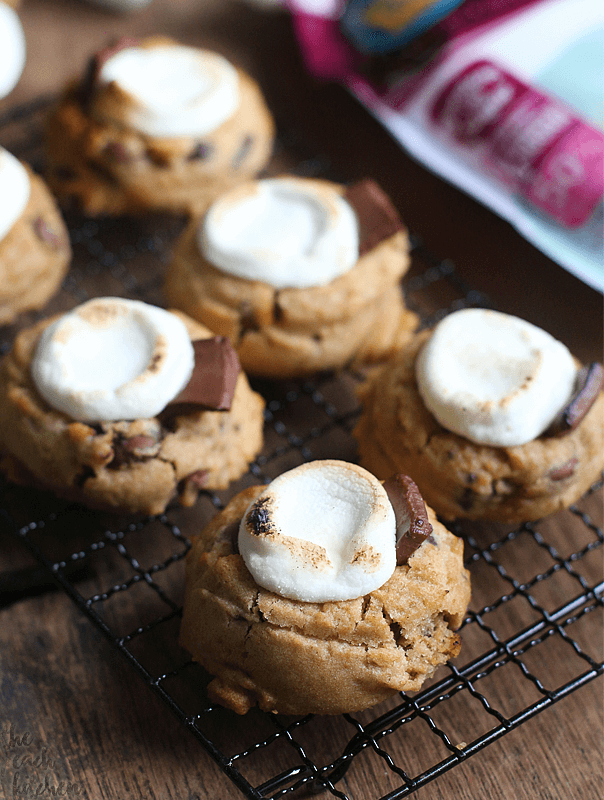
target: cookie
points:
(34, 243)
(302, 275)
(156, 126)
(123, 406)
(12, 47)
(327, 656)
(520, 428)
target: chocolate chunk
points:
(135, 448)
(44, 233)
(200, 152)
(242, 153)
(199, 478)
(96, 62)
(378, 219)
(412, 526)
(564, 471)
(140, 445)
(259, 518)
(214, 377)
(588, 386)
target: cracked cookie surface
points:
(134, 466)
(293, 657)
(460, 479)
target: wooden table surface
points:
(70, 707)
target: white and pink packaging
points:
(508, 106)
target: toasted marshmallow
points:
(322, 531)
(288, 232)
(113, 359)
(12, 49)
(15, 188)
(172, 90)
(493, 378)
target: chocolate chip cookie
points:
(462, 479)
(295, 657)
(132, 466)
(358, 316)
(99, 159)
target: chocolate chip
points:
(134, 448)
(412, 526)
(45, 234)
(212, 384)
(243, 151)
(160, 158)
(588, 386)
(200, 152)
(247, 317)
(118, 152)
(564, 471)
(378, 219)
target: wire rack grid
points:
(537, 588)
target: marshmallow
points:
(322, 531)
(287, 232)
(12, 49)
(493, 378)
(173, 90)
(113, 359)
(15, 188)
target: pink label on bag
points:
(527, 139)
(569, 182)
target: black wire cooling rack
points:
(537, 588)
